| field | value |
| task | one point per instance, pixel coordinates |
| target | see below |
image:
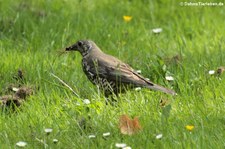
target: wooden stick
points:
(60, 80)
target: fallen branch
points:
(60, 80)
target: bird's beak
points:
(72, 48)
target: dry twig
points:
(60, 80)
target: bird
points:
(110, 74)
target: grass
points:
(33, 32)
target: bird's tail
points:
(160, 88)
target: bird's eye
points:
(80, 43)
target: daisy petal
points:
(169, 78)
(159, 136)
(48, 130)
(127, 147)
(106, 134)
(86, 101)
(157, 30)
(91, 136)
(120, 145)
(211, 72)
(21, 144)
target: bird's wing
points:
(126, 75)
(115, 70)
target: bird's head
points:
(83, 46)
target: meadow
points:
(34, 34)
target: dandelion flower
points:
(127, 18)
(190, 127)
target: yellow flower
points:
(127, 18)
(190, 127)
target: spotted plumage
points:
(109, 73)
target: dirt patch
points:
(13, 95)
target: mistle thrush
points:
(109, 73)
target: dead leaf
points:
(10, 100)
(24, 92)
(129, 126)
(220, 70)
(16, 99)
